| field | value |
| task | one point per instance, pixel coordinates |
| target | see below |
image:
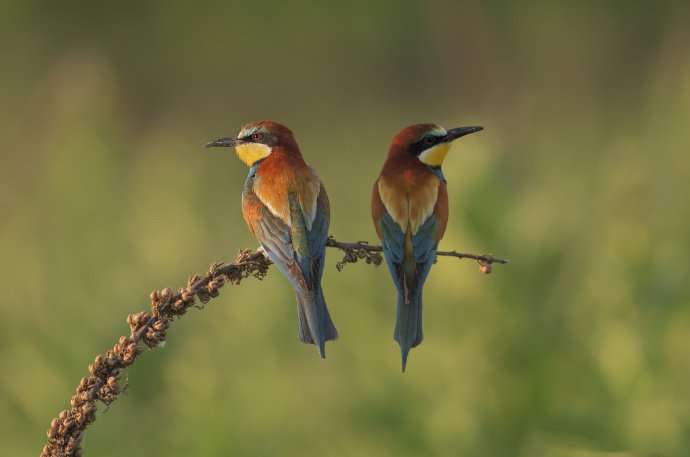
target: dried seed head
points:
(192, 280)
(204, 295)
(105, 380)
(89, 407)
(86, 395)
(160, 325)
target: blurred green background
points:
(579, 347)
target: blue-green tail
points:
(315, 324)
(408, 323)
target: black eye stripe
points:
(426, 142)
(253, 137)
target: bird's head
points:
(257, 140)
(429, 142)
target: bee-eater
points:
(409, 206)
(286, 208)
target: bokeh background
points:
(579, 347)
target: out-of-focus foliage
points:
(579, 347)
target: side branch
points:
(104, 382)
(372, 254)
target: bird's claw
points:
(261, 250)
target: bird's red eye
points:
(429, 140)
(257, 136)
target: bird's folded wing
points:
(424, 244)
(310, 243)
(275, 236)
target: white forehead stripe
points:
(440, 131)
(247, 131)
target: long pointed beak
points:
(227, 142)
(454, 134)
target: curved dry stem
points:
(104, 382)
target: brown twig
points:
(104, 382)
(372, 254)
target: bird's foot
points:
(261, 250)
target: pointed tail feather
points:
(315, 324)
(408, 323)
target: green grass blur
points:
(578, 348)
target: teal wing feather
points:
(393, 240)
(425, 245)
(309, 242)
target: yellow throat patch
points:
(250, 153)
(434, 156)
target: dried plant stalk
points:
(104, 382)
(105, 374)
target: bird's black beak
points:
(454, 134)
(228, 142)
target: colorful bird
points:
(286, 208)
(409, 206)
